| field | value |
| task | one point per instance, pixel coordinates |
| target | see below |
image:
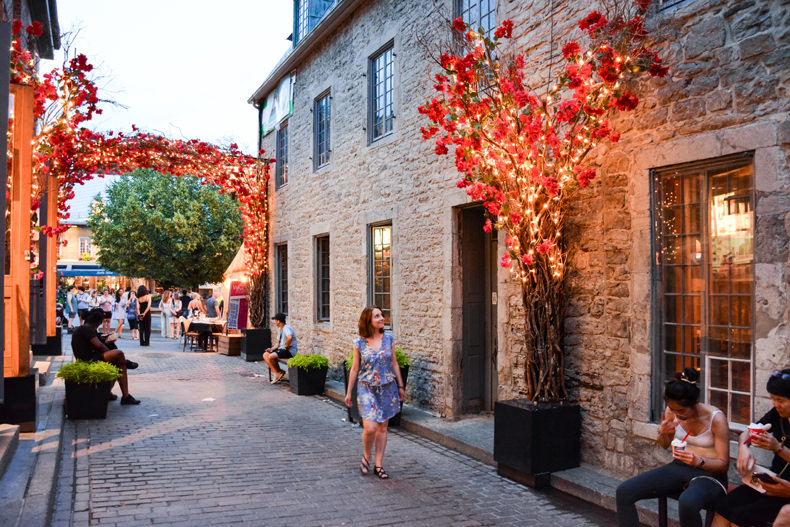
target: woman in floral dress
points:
(380, 389)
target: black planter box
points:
(87, 401)
(353, 411)
(19, 407)
(254, 343)
(307, 382)
(53, 345)
(536, 439)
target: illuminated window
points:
(380, 273)
(704, 266)
(86, 246)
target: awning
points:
(83, 270)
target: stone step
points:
(9, 439)
(43, 367)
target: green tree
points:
(175, 230)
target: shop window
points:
(703, 264)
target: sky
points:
(182, 68)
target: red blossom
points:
(571, 50)
(545, 247)
(626, 102)
(16, 27)
(527, 259)
(506, 261)
(505, 30)
(584, 176)
(35, 29)
(459, 24)
(487, 225)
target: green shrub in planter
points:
(81, 372)
(307, 374)
(308, 362)
(88, 387)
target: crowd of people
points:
(132, 307)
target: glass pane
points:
(741, 311)
(718, 399)
(672, 250)
(717, 341)
(691, 340)
(742, 343)
(672, 306)
(693, 279)
(691, 309)
(692, 188)
(741, 376)
(673, 279)
(719, 310)
(671, 191)
(672, 336)
(691, 219)
(742, 279)
(741, 409)
(672, 222)
(719, 371)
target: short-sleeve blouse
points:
(375, 366)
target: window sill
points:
(382, 140)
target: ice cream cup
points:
(755, 429)
(678, 445)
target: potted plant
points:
(353, 411)
(522, 151)
(88, 387)
(307, 374)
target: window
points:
(322, 278)
(380, 269)
(301, 20)
(281, 172)
(281, 277)
(381, 112)
(478, 13)
(704, 265)
(86, 246)
(322, 112)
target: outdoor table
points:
(204, 328)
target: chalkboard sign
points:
(238, 306)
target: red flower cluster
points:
(505, 30)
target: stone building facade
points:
(680, 246)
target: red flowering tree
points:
(67, 98)
(522, 151)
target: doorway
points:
(478, 251)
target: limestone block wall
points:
(727, 92)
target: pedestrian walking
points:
(144, 315)
(175, 325)
(105, 303)
(118, 313)
(380, 389)
(82, 303)
(132, 315)
(71, 307)
(700, 440)
(166, 314)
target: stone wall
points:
(727, 92)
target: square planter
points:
(229, 344)
(19, 406)
(254, 343)
(535, 440)
(307, 382)
(53, 345)
(87, 401)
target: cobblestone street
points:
(214, 444)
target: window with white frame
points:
(477, 14)
(380, 269)
(281, 155)
(322, 115)
(703, 263)
(381, 93)
(302, 12)
(86, 246)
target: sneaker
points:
(113, 397)
(131, 365)
(278, 377)
(129, 400)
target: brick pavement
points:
(198, 452)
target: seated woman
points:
(698, 473)
(744, 506)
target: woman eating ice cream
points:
(698, 471)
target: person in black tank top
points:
(144, 314)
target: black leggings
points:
(668, 480)
(145, 330)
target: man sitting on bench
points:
(87, 346)
(285, 350)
